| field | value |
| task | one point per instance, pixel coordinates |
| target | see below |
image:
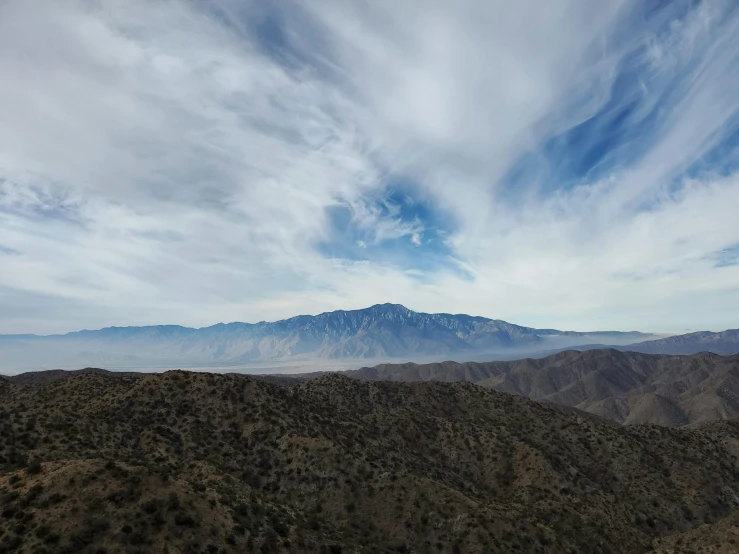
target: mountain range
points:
(383, 331)
(725, 342)
(627, 387)
(192, 462)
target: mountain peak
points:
(386, 330)
(390, 308)
(387, 306)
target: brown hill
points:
(721, 537)
(724, 342)
(40, 377)
(43, 377)
(190, 462)
(627, 387)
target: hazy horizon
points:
(380, 333)
(297, 366)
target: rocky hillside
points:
(381, 331)
(627, 387)
(725, 342)
(191, 462)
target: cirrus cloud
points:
(565, 165)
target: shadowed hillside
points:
(192, 462)
(43, 377)
(627, 387)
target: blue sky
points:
(568, 164)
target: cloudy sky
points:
(569, 164)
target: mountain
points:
(385, 331)
(195, 462)
(627, 387)
(36, 377)
(725, 342)
(714, 538)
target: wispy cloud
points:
(561, 164)
(4, 250)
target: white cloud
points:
(157, 165)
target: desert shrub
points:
(8, 497)
(184, 520)
(32, 494)
(34, 467)
(150, 506)
(11, 543)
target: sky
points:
(568, 164)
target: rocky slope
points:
(627, 387)
(382, 331)
(721, 537)
(190, 462)
(725, 342)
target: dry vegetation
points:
(201, 463)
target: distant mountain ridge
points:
(387, 331)
(724, 342)
(627, 387)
